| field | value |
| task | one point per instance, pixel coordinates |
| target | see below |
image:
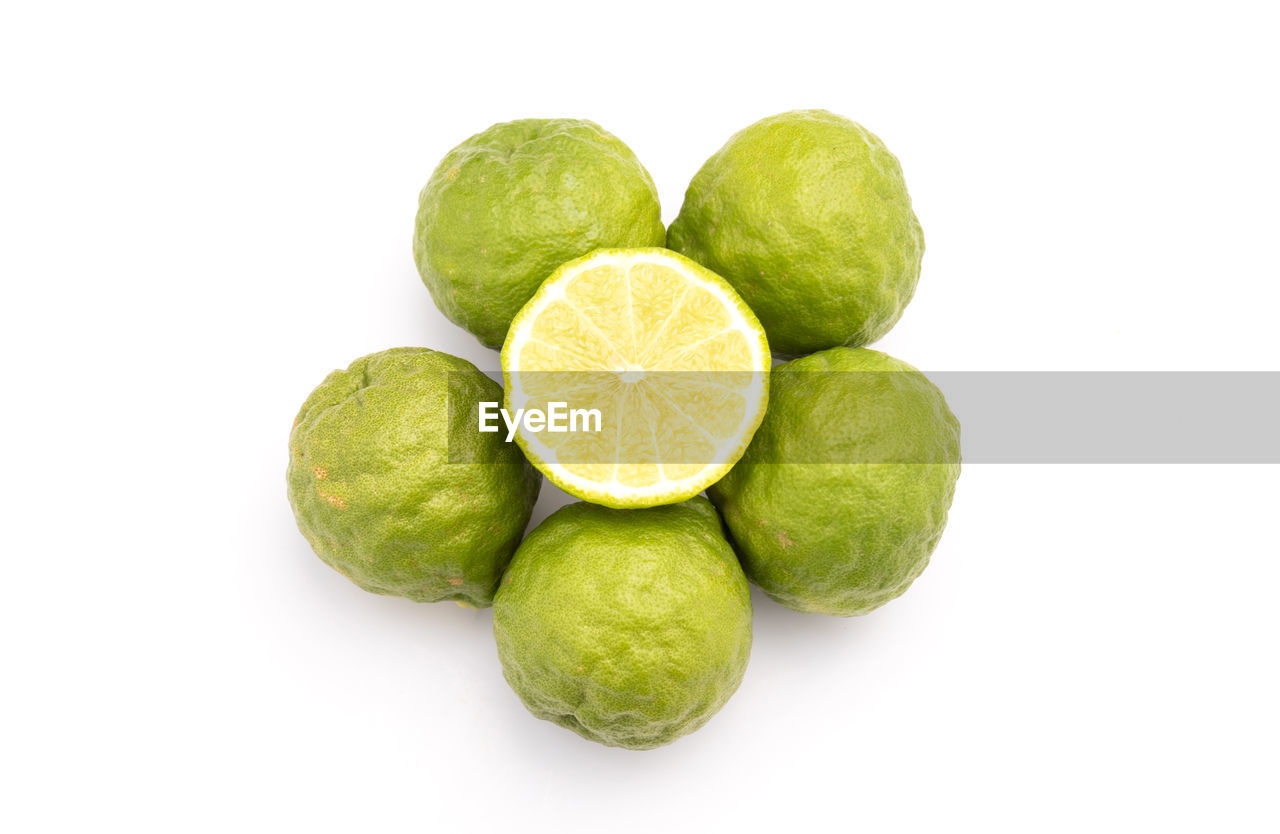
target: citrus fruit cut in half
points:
(635, 377)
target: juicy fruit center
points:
(674, 363)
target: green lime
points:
(510, 204)
(376, 492)
(807, 215)
(629, 627)
(843, 493)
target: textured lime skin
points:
(822, 526)
(510, 204)
(374, 491)
(629, 627)
(806, 213)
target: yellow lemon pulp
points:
(673, 360)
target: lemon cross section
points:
(663, 353)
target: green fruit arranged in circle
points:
(843, 493)
(388, 498)
(807, 215)
(510, 204)
(629, 627)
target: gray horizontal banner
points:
(1008, 417)
(1116, 417)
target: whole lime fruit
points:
(629, 627)
(393, 487)
(510, 204)
(806, 213)
(843, 493)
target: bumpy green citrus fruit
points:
(510, 204)
(844, 491)
(807, 215)
(386, 496)
(629, 627)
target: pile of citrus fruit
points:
(626, 617)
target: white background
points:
(204, 208)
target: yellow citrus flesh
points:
(666, 351)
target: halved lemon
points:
(648, 371)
